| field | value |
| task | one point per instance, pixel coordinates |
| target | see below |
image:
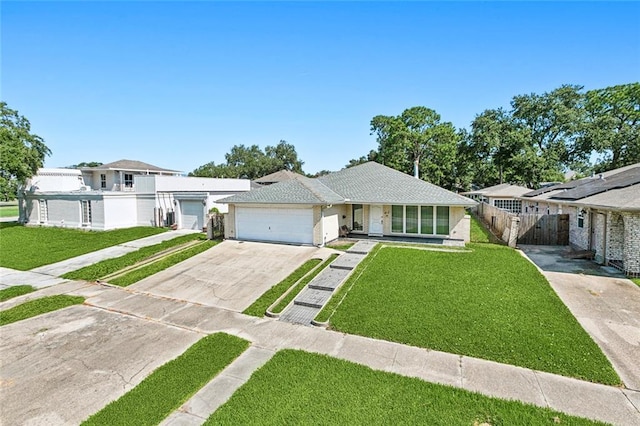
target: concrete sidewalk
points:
(61, 268)
(606, 403)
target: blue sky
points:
(178, 84)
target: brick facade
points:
(631, 253)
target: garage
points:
(192, 215)
(289, 225)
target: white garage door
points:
(275, 224)
(192, 215)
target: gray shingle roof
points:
(300, 190)
(279, 176)
(131, 165)
(501, 190)
(368, 183)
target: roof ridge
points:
(313, 190)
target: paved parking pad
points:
(231, 275)
(61, 367)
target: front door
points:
(375, 219)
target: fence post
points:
(514, 228)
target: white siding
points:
(331, 223)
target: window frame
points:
(355, 207)
(128, 180)
(420, 208)
(86, 216)
(103, 181)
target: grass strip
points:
(489, 303)
(268, 298)
(480, 233)
(162, 264)
(37, 307)
(636, 280)
(15, 291)
(9, 211)
(301, 284)
(110, 266)
(27, 247)
(336, 299)
(341, 246)
(297, 387)
(172, 384)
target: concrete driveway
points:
(59, 368)
(607, 307)
(231, 275)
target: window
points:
(426, 220)
(581, 214)
(44, 213)
(397, 219)
(442, 220)
(420, 220)
(411, 219)
(128, 180)
(103, 181)
(86, 212)
(510, 205)
(358, 217)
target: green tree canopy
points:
(22, 153)
(86, 164)
(417, 142)
(250, 162)
(613, 125)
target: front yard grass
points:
(172, 384)
(480, 233)
(26, 247)
(15, 291)
(37, 307)
(490, 303)
(259, 307)
(9, 211)
(162, 264)
(636, 280)
(301, 284)
(110, 266)
(297, 387)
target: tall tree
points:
(250, 162)
(86, 164)
(22, 153)
(416, 140)
(613, 125)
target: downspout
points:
(324, 237)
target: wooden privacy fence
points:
(544, 229)
(540, 229)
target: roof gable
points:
(368, 183)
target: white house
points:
(368, 199)
(120, 195)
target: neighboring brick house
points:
(604, 214)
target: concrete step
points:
(346, 261)
(312, 298)
(329, 279)
(362, 247)
(298, 314)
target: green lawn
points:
(259, 307)
(480, 233)
(25, 247)
(15, 291)
(341, 246)
(110, 266)
(166, 262)
(490, 303)
(9, 211)
(297, 387)
(37, 307)
(301, 284)
(172, 384)
(636, 280)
